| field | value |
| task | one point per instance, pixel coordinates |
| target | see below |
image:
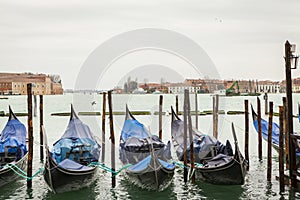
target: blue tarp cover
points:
(76, 134)
(14, 134)
(264, 130)
(133, 128)
(142, 165)
(70, 164)
(136, 143)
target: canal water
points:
(255, 187)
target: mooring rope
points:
(21, 173)
(104, 167)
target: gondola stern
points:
(128, 114)
(174, 115)
(73, 114)
(254, 115)
(12, 115)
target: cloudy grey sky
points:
(244, 39)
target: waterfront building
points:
(16, 84)
(268, 86)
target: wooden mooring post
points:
(269, 166)
(34, 106)
(192, 158)
(215, 115)
(103, 126)
(289, 101)
(41, 127)
(247, 132)
(160, 116)
(30, 135)
(185, 156)
(196, 109)
(259, 130)
(266, 103)
(286, 136)
(112, 138)
(176, 105)
(281, 148)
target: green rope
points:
(124, 167)
(181, 165)
(104, 167)
(198, 164)
(21, 173)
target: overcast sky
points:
(244, 39)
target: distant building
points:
(296, 85)
(16, 84)
(152, 87)
(177, 88)
(268, 86)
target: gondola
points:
(147, 154)
(275, 132)
(265, 128)
(67, 166)
(215, 162)
(13, 151)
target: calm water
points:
(255, 187)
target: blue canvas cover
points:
(71, 165)
(77, 141)
(204, 144)
(133, 128)
(14, 134)
(264, 130)
(143, 164)
(136, 143)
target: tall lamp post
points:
(289, 59)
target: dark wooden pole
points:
(30, 134)
(160, 116)
(247, 132)
(112, 138)
(290, 130)
(286, 138)
(185, 172)
(215, 115)
(103, 126)
(192, 158)
(281, 149)
(266, 103)
(41, 127)
(259, 130)
(269, 168)
(176, 105)
(196, 109)
(35, 106)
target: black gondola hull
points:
(7, 175)
(152, 178)
(63, 180)
(231, 173)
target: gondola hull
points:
(7, 175)
(150, 179)
(62, 180)
(231, 173)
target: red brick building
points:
(16, 84)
